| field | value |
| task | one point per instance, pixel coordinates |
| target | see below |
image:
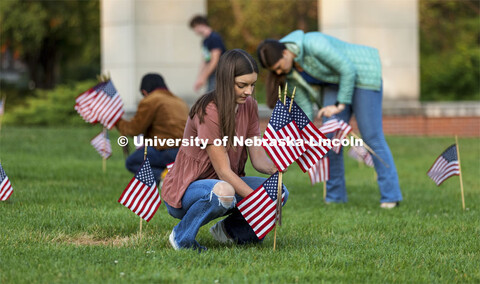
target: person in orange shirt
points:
(160, 115)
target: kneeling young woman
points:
(206, 183)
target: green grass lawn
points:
(63, 222)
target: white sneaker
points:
(389, 205)
(219, 234)
(171, 238)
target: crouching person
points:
(208, 178)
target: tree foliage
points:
(53, 107)
(450, 49)
(244, 24)
(58, 40)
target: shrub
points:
(50, 107)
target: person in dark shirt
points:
(213, 48)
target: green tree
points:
(450, 49)
(244, 24)
(58, 40)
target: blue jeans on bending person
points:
(200, 205)
(367, 107)
(159, 159)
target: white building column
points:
(391, 26)
(142, 36)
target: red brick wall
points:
(421, 126)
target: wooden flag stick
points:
(460, 170)
(370, 149)
(144, 158)
(278, 214)
(325, 191)
(291, 101)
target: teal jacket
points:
(333, 61)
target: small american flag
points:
(361, 154)
(330, 126)
(141, 194)
(309, 132)
(445, 166)
(85, 100)
(281, 127)
(5, 186)
(101, 103)
(101, 143)
(170, 166)
(320, 172)
(259, 207)
(340, 134)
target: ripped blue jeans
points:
(200, 205)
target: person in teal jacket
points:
(350, 76)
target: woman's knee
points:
(225, 194)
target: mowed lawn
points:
(63, 222)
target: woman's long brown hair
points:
(233, 63)
(269, 52)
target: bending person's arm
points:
(260, 161)
(208, 68)
(140, 122)
(221, 163)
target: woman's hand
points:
(328, 111)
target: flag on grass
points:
(5, 186)
(101, 143)
(361, 154)
(330, 126)
(320, 172)
(282, 134)
(342, 132)
(310, 132)
(259, 207)
(445, 166)
(141, 194)
(101, 103)
(85, 100)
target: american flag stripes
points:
(361, 154)
(310, 133)
(170, 166)
(445, 166)
(340, 134)
(141, 195)
(330, 126)
(282, 134)
(101, 103)
(259, 207)
(320, 172)
(101, 143)
(5, 185)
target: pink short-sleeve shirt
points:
(192, 163)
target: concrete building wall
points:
(389, 25)
(141, 36)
